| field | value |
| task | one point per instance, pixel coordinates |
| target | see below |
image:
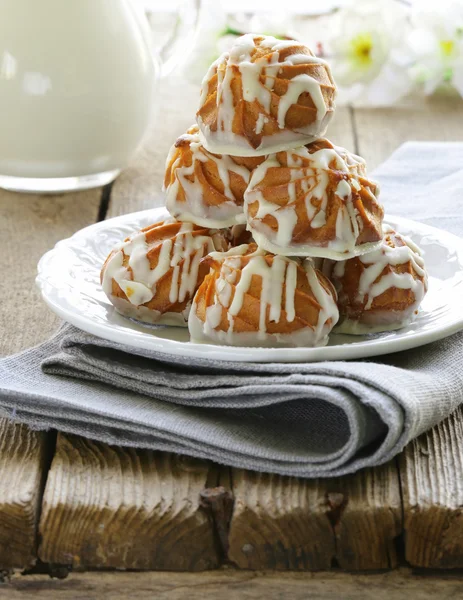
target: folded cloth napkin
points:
(319, 419)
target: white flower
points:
(437, 42)
(367, 52)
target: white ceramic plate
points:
(69, 281)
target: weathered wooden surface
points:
(236, 585)
(108, 507)
(366, 513)
(432, 476)
(287, 523)
(23, 463)
(29, 226)
(279, 523)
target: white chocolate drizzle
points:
(376, 262)
(309, 184)
(378, 276)
(194, 209)
(278, 292)
(138, 280)
(267, 67)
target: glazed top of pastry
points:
(396, 264)
(270, 71)
(143, 259)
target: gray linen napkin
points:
(320, 419)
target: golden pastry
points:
(153, 275)
(252, 298)
(314, 200)
(265, 95)
(205, 188)
(381, 290)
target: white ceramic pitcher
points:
(77, 89)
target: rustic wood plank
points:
(288, 523)
(29, 226)
(432, 476)
(107, 506)
(369, 518)
(431, 467)
(279, 523)
(235, 585)
(381, 131)
(139, 186)
(23, 466)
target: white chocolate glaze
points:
(279, 282)
(299, 338)
(236, 145)
(305, 250)
(224, 140)
(194, 209)
(312, 183)
(385, 321)
(147, 315)
(233, 252)
(138, 280)
(188, 217)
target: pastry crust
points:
(204, 188)
(153, 275)
(381, 290)
(252, 298)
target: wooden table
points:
(77, 504)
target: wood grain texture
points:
(108, 507)
(366, 514)
(23, 463)
(431, 467)
(296, 524)
(29, 226)
(235, 585)
(139, 186)
(432, 476)
(381, 131)
(279, 523)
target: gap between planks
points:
(105, 201)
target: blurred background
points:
(398, 65)
(85, 83)
(381, 51)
